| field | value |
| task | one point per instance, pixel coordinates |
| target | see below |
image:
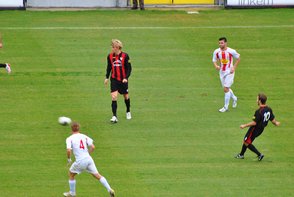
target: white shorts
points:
(86, 164)
(227, 79)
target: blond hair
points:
(116, 42)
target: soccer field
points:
(177, 143)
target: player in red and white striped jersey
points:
(6, 65)
(223, 61)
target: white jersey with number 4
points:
(225, 58)
(79, 144)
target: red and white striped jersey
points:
(225, 58)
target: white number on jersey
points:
(266, 116)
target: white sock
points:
(227, 99)
(105, 183)
(72, 186)
(233, 95)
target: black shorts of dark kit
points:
(119, 86)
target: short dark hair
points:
(222, 38)
(262, 97)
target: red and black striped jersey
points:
(119, 66)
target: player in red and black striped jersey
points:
(256, 127)
(119, 66)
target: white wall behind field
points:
(77, 3)
(11, 3)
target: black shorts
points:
(251, 134)
(119, 86)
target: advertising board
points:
(259, 3)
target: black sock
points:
(128, 104)
(3, 65)
(244, 148)
(253, 149)
(114, 107)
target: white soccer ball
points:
(64, 120)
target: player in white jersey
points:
(5, 65)
(78, 143)
(223, 61)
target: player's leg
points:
(128, 105)
(93, 170)
(114, 102)
(114, 88)
(142, 4)
(124, 89)
(227, 93)
(234, 97)
(227, 97)
(227, 82)
(248, 139)
(135, 5)
(72, 185)
(104, 182)
(254, 149)
(227, 100)
(6, 66)
(76, 168)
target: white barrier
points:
(76, 3)
(11, 3)
(259, 3)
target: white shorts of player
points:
(86, 164)
(227, 79)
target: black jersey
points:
(261, 117)
(119, 66)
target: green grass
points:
(177, 143)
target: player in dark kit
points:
(256, 127)
(119, 66)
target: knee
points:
(226, 89)
(126, 96)
(97, 176)
(246, 144)
(71, 176)
(114, 97)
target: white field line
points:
(151, 28)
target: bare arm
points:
(235, 65)
(242, 126)
(68, 153)
(91, 148)
(276, 123)
(216, 66)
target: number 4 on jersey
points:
(82, 145)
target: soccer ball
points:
(64, 120)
